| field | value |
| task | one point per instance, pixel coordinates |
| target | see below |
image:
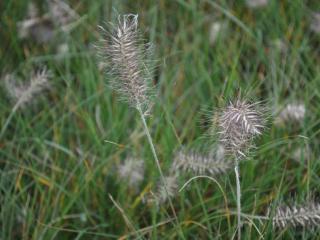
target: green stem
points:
(155, 156)
(236, 170)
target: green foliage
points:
(58, 157)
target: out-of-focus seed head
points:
(24, 94)
(256, 3)
(132, 172)
(197, 163)
(297, 216)
(291, 113)
(315, 22)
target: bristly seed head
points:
(197, 163)
(163, 192)
(293, 112)
(297, 216)
(25, 94)
(127, 62)
(132, 171)
(239, 123)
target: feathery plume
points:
(216, 30)
(315, 22)
(61, 13)
(39, 29)
(132, 172)
(239, 123)
(256, 3)
(164, 192)
(297, 216)
(26, 93)
(199, 164)
(293, 112)
(127, 61)
(302, 153)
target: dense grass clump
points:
(76, 163)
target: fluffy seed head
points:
(239, 123)
(161, 195)
(302, 154)
(293, 113)
(132, 171)
(24, 94)
(256, 3)
(172, 186)
(61, 13)
(315, 22)
(297, 216)
(199, 164)
(216, 30)
(39, 29)
(126, 58)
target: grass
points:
(58, 157)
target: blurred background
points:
(65, 138)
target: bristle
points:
(199, 164)
(239, 123)
(127, 62)
(25, 94)
(131, 171)
(297, 216)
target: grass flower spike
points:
(132, 171)
(25, 94)
(239, 123)
(197, 163)
(168, 191)
(293, 112)
(126, 58)
(256, 3)
(297, 216)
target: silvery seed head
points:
(132, 172)
(302, 154)
(198, 164)
(24, 94)
(216, 30)
(127, 63)
(163, 193)
(40, 29)
(256, 3)
(297, 216)
(293, 112)
(239, 123)
(61, 13)
(315, 22)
